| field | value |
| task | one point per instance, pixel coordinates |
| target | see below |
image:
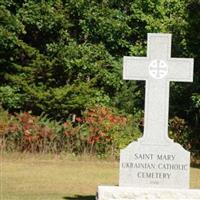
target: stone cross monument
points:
(157, 69)
(155, 160)
(154, 167)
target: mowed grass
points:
(50, 177)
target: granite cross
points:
(157, 69)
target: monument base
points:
(154, 166)
(132, 193)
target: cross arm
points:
(181, 69)
(135, 68)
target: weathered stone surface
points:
(130, 193)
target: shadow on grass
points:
(80, 197)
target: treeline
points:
(60, 57)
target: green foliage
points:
(11, 98)
(60, 57)
(59, 45)
(196, 100)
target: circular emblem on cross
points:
(158, 69)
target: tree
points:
(60, 56)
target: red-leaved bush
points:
(100, 130)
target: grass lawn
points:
(49, 177)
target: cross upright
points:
(157, 69)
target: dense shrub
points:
(24, 132)
(100, 130)
(103, 130)
(180, 132)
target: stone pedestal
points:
(132, 193)
(154, 166)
